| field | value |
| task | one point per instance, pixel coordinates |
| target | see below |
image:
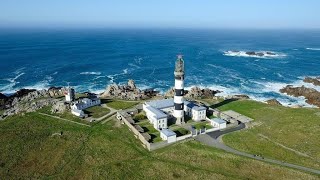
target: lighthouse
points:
(179, 91)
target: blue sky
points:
(161, 13)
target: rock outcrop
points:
(273, 102)
(312, 96)
(60, 107)
(128, 92)
(314, 81)
(30, 100)
(195, 93)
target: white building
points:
(78, 107)
(218, 123)
(197, 113)
(168, 135)
(77, 112)
(86, 103)
(156, 117)
(159, 111)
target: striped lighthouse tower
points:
(179, 91)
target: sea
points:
(91, 59)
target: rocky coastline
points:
(311, 95)
(29, 100)
(128, 91)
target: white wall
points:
(198, 115)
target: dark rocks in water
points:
(314, 81)
(128, 92)
(251, 53)
(312, 96)
(270, 53)
(273, 102)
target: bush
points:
(139, 116)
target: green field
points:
(31, 149)
(119, 104)
(96, 111)
(66, 115)
(287, 134)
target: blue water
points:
(92, 59)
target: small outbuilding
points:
(218, 123)
(78, 112)
(168, 135)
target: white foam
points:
(90, 73)
(313, 49)
(266, 54)
(113, 76)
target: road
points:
(56, 117)
(214, 139)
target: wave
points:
(313, 49)
(255, 54)
(90, 73)
(113, 76)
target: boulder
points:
(273, 102)
(128, 92)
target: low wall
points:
(184, 137)
(137, 134)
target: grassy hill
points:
(32, 147)
(282, 133)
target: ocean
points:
(90, 59)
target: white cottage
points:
(218, 123)
(168, 135)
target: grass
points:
(279, 132)
(139, 117)
(96, 111)
(109, 151)
(66, 115)
(119, 104)
(200, 125)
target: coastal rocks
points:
(30, 100)
(195, 93)
(312, 96)
(60, 107)
(27, 95)
(128, 92)
(314, 81)
(198, 93)
(238, 96)
(30, 106)
(273, 102)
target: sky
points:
(264, 14)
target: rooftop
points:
(161, 104)
(168, 132)
(218, 120)
(159, 114)
(199, 108)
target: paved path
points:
(214, 139)
(112, 112)
(56, 117)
